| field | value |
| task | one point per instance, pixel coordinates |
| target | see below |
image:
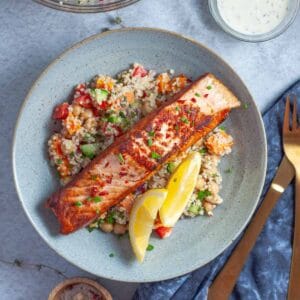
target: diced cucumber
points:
(194, 209)
(99, 94)
(89, 150)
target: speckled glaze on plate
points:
(194, 242)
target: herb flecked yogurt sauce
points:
(253, 16)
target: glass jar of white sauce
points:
(254, 20)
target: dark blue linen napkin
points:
(266, 273)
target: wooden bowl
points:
(72, 282)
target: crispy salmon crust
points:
(132, 159)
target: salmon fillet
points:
(132, 159)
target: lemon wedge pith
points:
(180, 188)
(142, 217)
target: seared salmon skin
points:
(135, 156)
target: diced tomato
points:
(84, 101)
(139, 71)
(61, 111)
(103, 105)
(80, 88)
(163, 232)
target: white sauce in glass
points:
(253, 16)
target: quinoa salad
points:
(105, 108)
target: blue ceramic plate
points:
(194, 242)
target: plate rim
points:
(100, 36)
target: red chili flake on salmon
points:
(205, 95)
(94, 191)
(103, 193)
(106, 165)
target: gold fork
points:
(291, 146)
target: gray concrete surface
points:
(31, 36)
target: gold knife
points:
(224, 283)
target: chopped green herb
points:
(150, 247)
(245, 106)
(117, 20)
(177, 108)
(203, 194)
(214, 175)
(111, 255)
(170, 167)
(78, 203)
(121, 158)
(122, 115)
(222, 127)
(229, 170)
(209, 87)
(94, 177)
(150, 142)
(197, 95)
(194, 209)
(90, 229)
(59, 161)
(95, 199)
(72, 154)
(111, 218)
(112, 119)
(155, 155)
(184, 120)
(203, 151)
(175, 180)
(151, 133)
(176, 127)
(101, 221)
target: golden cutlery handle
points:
(226, 279)
(294, 285)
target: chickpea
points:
(86, 114)
(120, 228)
(76, 110)
(107, 227)
(200, 183)
(208, 207)
(214, 188)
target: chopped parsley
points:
(110, 218)
(209, 87)
(150, 142)
(150, 247)
(121, 158)
(122, 115)
(203, 151)
(94, 177)
(203, 194)
(176, 127)
(111, 255)
(95, 199)
(170, 167)
(90, 229)
(245, 106)
(197, 95)
(151, 133)
(222, 127)
(78, 203)
(59, 161)
(177, 108)
(112, 119)
(155, 155)
(229, 170)
(184, 120)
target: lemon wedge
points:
(142, 217)
(180, 188)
